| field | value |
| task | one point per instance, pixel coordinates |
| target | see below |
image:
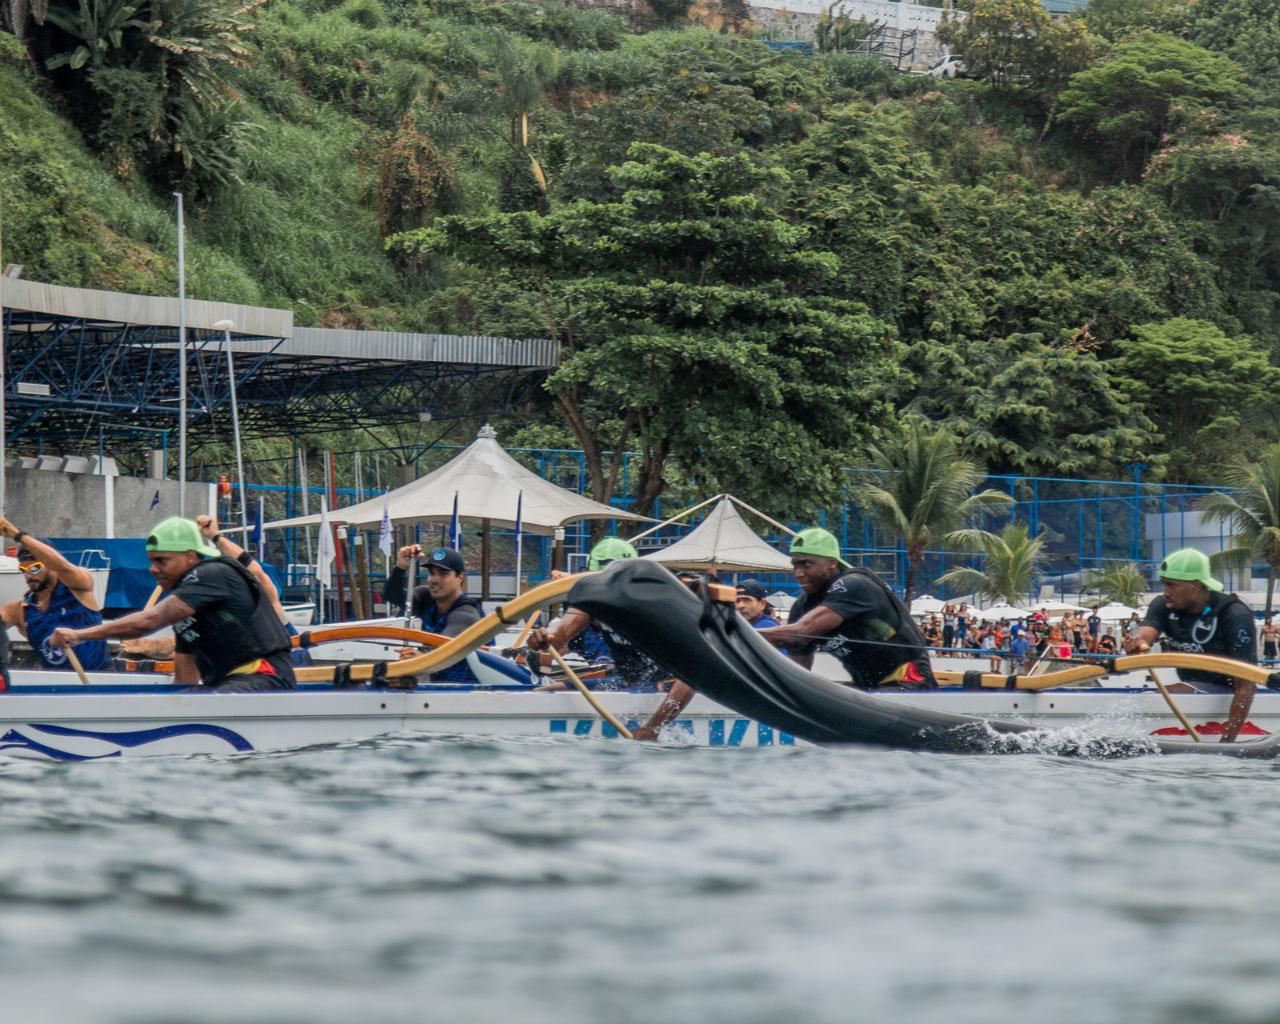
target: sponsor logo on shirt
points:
(837, 587)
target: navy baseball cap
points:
(753, 588)
(446, 558)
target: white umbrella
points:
(1057, 606)
(1000, 611)
(926, 605)
(1115, 612)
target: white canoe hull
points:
(89, 723)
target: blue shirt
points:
(64, 609)
(764, 622)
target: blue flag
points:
(155, 501)
(455, 527)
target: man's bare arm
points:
(127, 627)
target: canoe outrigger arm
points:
(449, 652)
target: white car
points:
(948, 66)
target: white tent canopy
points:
(487, 483)
(1053, 607)
(722, 541)
(1114, 612)
(926, 605)
(1000, 611)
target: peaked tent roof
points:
(488, 482)
(723, 541)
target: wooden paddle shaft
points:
(75, 664)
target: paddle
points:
(75, 664)
(601, 710)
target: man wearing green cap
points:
(227, 635)
(631, 665)
(1195, 616)
(851, 614)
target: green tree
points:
(1017, 41)
(1011, 561)
(1207, 392)
(1251, 509)
(695, 325)
(1024, 406)
(922, 489)
(1130, 100)
(1123, 584)
(1116, 20)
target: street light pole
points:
(225, 327)
(182, 362)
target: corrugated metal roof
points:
(140, 310)
(258, 329)
(397, 346)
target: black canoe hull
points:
(712, 648)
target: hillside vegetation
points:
(757, 262)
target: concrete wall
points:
(55, 504)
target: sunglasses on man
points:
(32, 568)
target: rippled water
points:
(415, 879)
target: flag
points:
(384, 531)
(256, 533)
(325, 552)
(155, 500)
(519, 538)
(455, 527)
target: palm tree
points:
(1253, 513)
(1123, 584)
(924, 490)
(1012, 562)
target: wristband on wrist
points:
(19, 535)
(215, 538)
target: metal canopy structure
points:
(85, 366)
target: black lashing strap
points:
(1273, 681)
(342, 677)
(1011, 682)
(972, 681)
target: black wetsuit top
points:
(1225, 627)
(233, 625)
(877, 635)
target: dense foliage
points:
(756, 262)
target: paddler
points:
(633, 666)
(228, 636)
(1194, 615)
(442, 603)
(58, 594)
(851, 614)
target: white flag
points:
(325, 552)
(384, 532)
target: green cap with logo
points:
(609, 549)
(1188, 564)
(178, 534)
(818, 543)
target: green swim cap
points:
(178, 534)
(817, 542)
(1188, 564)
(609, 549)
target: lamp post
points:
(225, 327)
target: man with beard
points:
(58, 594)
(1195, 616)
(849, 613)
(442, 603)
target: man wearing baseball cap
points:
(228, 637)
(753, 604)
(851, 614)
(1194, 615)
(441, 603)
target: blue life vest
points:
(434, 622)
(64, 609)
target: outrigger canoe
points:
(750, 695)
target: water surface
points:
(561, 880)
